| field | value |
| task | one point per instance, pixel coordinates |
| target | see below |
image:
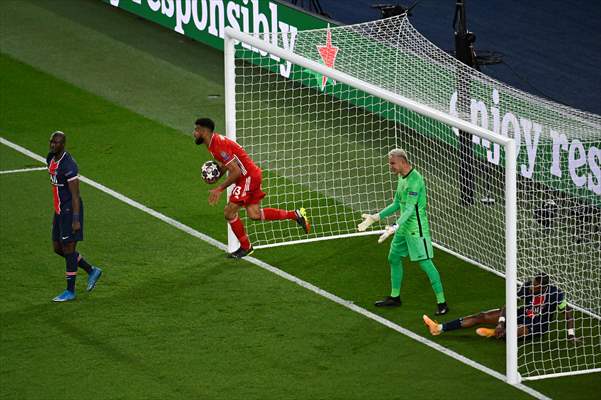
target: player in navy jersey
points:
(540, 301)
(67, 224)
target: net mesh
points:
(323, 145)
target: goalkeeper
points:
(412, 233)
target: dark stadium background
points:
(551, 48)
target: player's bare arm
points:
(222, 168)
(569, 317)
(500, 328)
(74, 189)
(233, 174)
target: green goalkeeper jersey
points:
(410, 198)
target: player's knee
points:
(59, 252)
(254, 215)
(229, 214)
(393, 258)
(523, 331)
(68, 248)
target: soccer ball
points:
(210, 171)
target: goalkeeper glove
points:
(388, 230)
(368, 220)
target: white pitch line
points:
(14, 171)
(292, 278)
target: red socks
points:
(267, 214)
(272, 214)
(238, 229)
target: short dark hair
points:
(542, 279)
(206, 123)
(59, 133)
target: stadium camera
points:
(392, 10)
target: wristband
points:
(75, 217)
(571, 332)
(501, 319)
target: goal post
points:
(233, 37)
(319, 110)
(229, 51)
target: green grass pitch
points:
(172, 318)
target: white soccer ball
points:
(210, 171)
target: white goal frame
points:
(231, 39)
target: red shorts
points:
(247, 191)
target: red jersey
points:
(226, 151)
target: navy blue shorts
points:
(536, 326)
(61, 227)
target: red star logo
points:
(328, 55)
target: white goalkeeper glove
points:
(368, 220)
(388, 230)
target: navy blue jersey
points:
(61, 172)
(542, 304)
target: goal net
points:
(321, 136)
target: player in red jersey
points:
(247, 193)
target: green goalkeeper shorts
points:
(416, 247)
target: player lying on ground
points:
(541, 300)
(247, 193)
(67, 224)
(412, 234)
